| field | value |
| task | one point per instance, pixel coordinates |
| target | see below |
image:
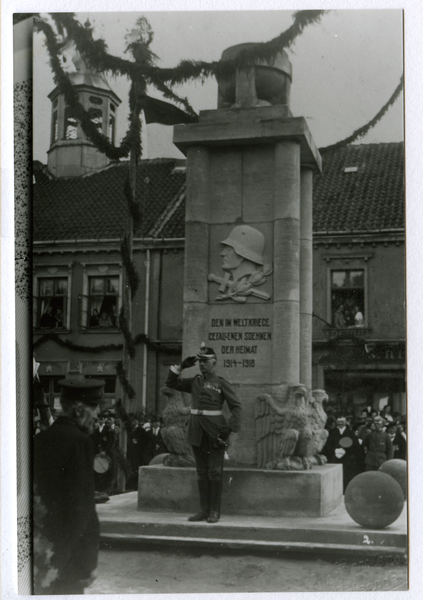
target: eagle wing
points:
(174, 436)
(175, 417)
(317, 419)
(269, 419)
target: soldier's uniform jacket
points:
(64, 484)
(379, 448)
(208, 392)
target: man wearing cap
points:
(66, 527)
(378, 446)
(207, 430)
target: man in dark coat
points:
(135, 453)
(65, 519)
(105, 442)
(398, 442)
(207, 430)
(154, 443)
(378, 446)
(343, 448)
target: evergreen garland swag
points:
(126, 386)
(131, 272)
(143, 72)
(140, 338)
(130, 344)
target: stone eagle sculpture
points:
(290, 435)
(318, 418)
(174, 431)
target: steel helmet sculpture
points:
(247, 242)
(242, 259)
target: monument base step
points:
(255, 492)
(337, 533)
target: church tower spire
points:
(71, 153)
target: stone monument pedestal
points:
(259, 492)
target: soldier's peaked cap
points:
(206, 352)
(77, 387)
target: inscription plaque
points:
(242, 339)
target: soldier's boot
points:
(215, 495)
(204, 493)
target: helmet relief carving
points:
(243, 266)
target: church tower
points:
(71, 153)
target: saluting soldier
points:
(207, 430)
(66, 527)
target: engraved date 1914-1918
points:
(232, 362)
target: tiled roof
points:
(369, 197)
(94, 206)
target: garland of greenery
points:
(134, 207)
(361, 131)
(95, 53)
(126, 386)
(142, 70)
(141, 338)
(131, 272)
(130, 344)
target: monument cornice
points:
(248, 126)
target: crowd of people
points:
(144, 442)
(79, 440)
(365, 443)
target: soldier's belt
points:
(206, 413)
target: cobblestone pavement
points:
(127, 569)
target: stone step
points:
(337, 533)
(236, 544)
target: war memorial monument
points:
(248, 295)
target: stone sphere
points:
(374, 499)
(397, 468)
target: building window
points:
(103, 301)
(112, 107)
(51, 389)
(96, 100)
(96, 116)
(112, 129)
(71, 126)
(52, 302)
(347, 298)
(54, 128)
